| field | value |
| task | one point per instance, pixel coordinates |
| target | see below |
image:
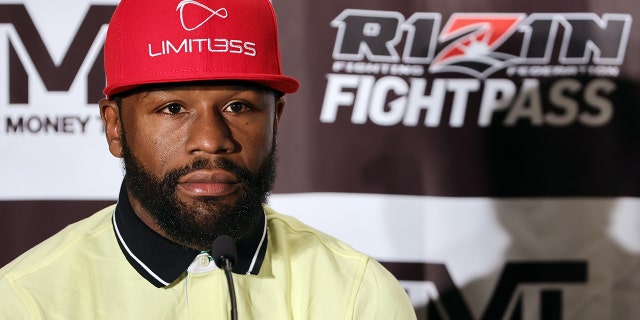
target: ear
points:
(280, 103)
(110, 114)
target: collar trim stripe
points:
(133, 256)
(255, 256)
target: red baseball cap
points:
(165, 41)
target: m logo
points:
(54, 76)
(193, 20)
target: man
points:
(193, 100)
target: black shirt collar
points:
(161, 261)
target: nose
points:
(210, 133)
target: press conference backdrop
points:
(486, 152)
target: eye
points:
(172, 108)
(236, 107)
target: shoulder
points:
(72, 238)
(296, 233)
(381, 296)
(366, 288)
(38, 274)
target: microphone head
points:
(224, 248)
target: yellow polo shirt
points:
(82, 273)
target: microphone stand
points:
(225, 254)
(232, 291)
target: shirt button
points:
(203, 261)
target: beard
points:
(197, 224)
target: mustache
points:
(243, 175)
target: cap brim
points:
(279, 83)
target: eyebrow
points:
(174, 87)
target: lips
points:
(210, 183)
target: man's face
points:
(198, 158)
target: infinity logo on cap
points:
(222, 13)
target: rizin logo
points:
(479, 44)
(187, 25)
(539, 69)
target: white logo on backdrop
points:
(222, 13)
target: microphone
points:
(225, 254)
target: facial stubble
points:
(197, 224)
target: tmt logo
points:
(519, 280)
(55, 77)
